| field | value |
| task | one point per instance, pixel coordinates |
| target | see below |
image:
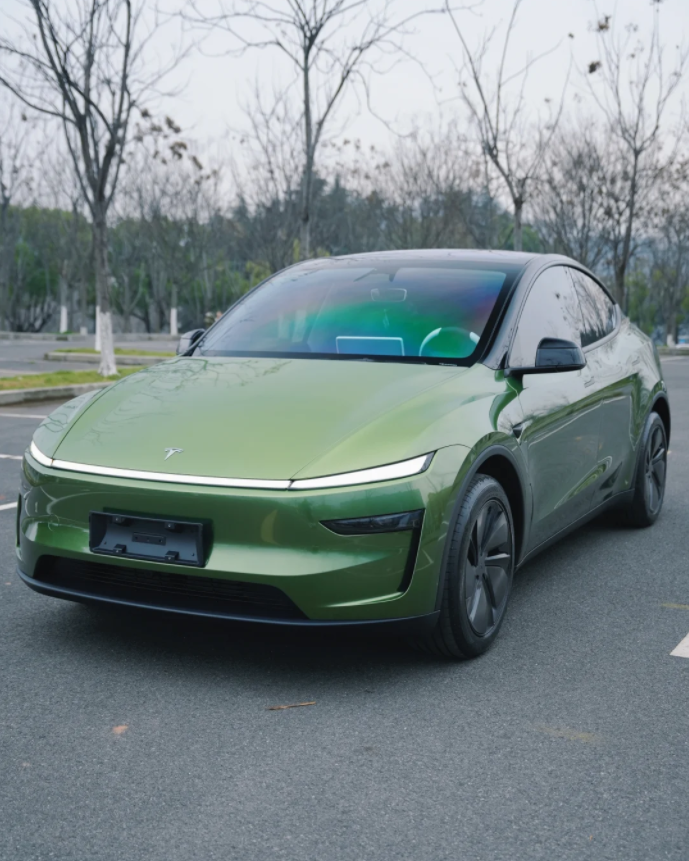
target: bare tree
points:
(332, 46)
(84, 66)
(270, 159)
(572, 198)
(15, 177)
(515, 143)
(634, 92)
(670, 250)
(432, 187)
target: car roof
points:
(468, 255)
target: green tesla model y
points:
(376, 440)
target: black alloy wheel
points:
(478, 574)
(655, 458)
(651, 475)
(487, 568)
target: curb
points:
(60, 336)
(40, 336)
(673, 351)
(94, 359)
(50, 393)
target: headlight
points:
(38, 455)
(402, 469)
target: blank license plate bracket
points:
(174, 542)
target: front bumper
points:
(409, 625)
(259, 539)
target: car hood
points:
(265, 418)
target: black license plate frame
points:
(150, 539)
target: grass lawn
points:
(59, 378)
(119, 351)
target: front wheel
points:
(651, 473)
(478, 574)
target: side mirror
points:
(554, 355)
(187, 341)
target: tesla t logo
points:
(170, 451)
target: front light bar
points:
(402, 469)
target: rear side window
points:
(551, 310)
(597, 311)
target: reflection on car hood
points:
(262, 418)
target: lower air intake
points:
(163, 590)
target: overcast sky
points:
(217, 86)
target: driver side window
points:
(551, 310)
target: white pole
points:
(63, 318)
(173, 322)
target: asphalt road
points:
(129, 736)
(27, 356)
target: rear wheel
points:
(651, 473)
(478, 574)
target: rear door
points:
(609, 358)
(559, 438)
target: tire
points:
(651, 475)
(475, 595)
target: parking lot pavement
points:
(27, 357)
(131, 736)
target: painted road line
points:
(8, 505)
(682, 651)
(675, 606)
(11, 456)
(22, 415)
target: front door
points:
(609, 347)
(560, 430)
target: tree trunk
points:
(305, 237)
(103, 314)
(64, 314)
(97, 342)
(518, 227)
(173, 312)
(126, 302)
(83, 321)
(623, 263)
(307, 176)
(671, 330)
(4, 262)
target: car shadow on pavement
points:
(209, 646)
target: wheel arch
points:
(498, 462)
(503, 470)
(661, 406)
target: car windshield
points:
(422, 311)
